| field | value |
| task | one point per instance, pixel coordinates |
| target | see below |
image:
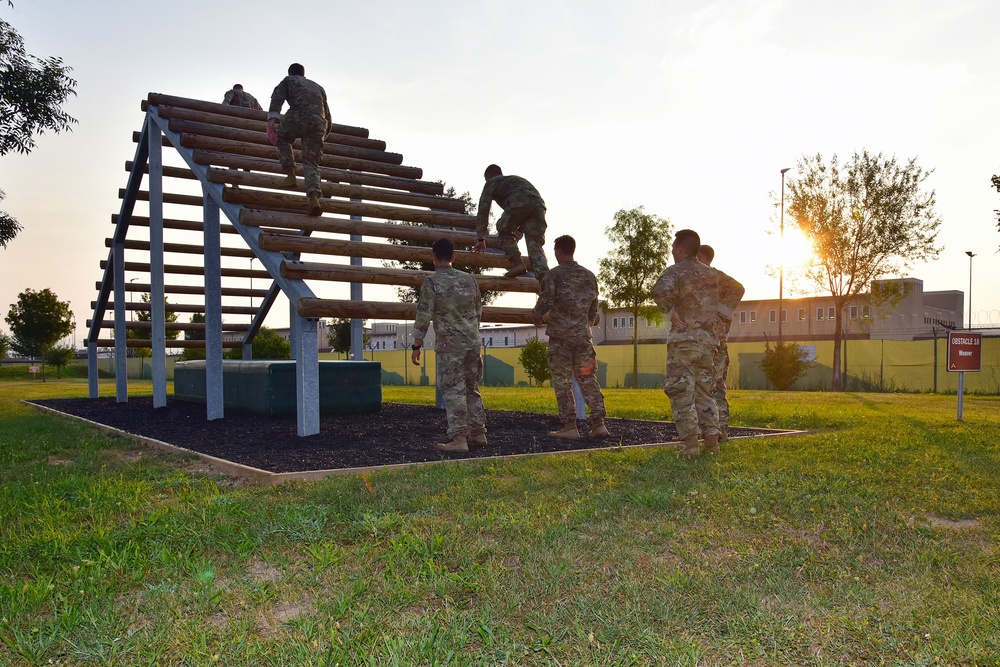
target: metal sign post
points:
(965, 354)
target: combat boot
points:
(478, 440)
(723, 435)
(569, 431)
(315, 208)
(289, 181)
(516, 269)
(459, 443)
(598, 429)
(712, 444)
(691, 447)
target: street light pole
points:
(971, 255)
(781, 265)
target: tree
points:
(628, 273)
(783, 364)
(193, 353)
(410, 294)
(267, 344)
(147, 334)
(32, 92)
(867, 220)
(339, 337)
(37, 321)
(4, 345)
(534, 358)
(59, 356)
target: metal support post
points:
(214, 397)
(158, 338)
(121, 335)
(305, 344)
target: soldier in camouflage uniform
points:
(308, 119)
(569, 297)
(691, 290)
(523, 214)
(237, 97)
(450, 298)
(730, 294)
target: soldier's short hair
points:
(237, 86)
(443, 249)
(492, 171)
(689, 240)
(707, 252)
(565, 244)
(296, 69)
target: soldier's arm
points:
(228, 99)
(483, 212)
(664, 292)
(546, 297)
(278, 98)
(730, 294)
(425, 309)
(326, 110)
(479, 303)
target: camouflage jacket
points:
(507, 191)
(451, 299)
(691, 289)
(241, 98)
(569, 297)
(730, 294)
(305, 98)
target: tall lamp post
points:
(971, 255)
(781, 265)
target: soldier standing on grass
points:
(308, 119)
(569, 297)
(523, 213)
(450, 298)
(691, 289)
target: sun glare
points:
(798, 249)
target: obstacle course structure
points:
(368, 192)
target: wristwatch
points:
(415, 347)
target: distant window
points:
(866, 312)
(802, 314)
(831, 314)
(394, 345)
(631, 323)
(854, 312)
(753, 315)
(491, 341)
(820, 313)
(506, 342)
(784, 314)
(614, 322)
(772, 316)
(743, 317)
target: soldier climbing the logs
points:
(237, 97)
(569, 297)
(308, 119)
(523, 214)
(450, 298)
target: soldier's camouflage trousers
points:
(721, 373)
(530, 221)
(690, 383)
(458, 374)
(310, 130)
(569, 358)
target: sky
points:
(687, 108)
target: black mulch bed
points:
(400, 433)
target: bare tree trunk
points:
(837, 337)
(635, 350)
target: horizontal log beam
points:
(184, 248)
(260, 126)
(383, 310)
(169, 172)
(227, 176)
(260, 137)
(184, 308)
(143, 267)
(254, 218)
(136, 325)
(373, 275)
(228, 110)
(273, 166)
(196, 141)
(168, 198)
(141, 342)
(194, 289)
(280, 200)
(398, 253)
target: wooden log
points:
(373, 275)
(256, 137)
(169, 172)
(336, 190)
(183, 270)
(168, 198)
(326, 173)
(136, 325)
(141, 342)
(184, 248)
(384, 310)
(262, 199)
(255, 218)
(227, 110)
(183, 225)
(195, 289)
(184, 308)
(197, 141)
(398, 253)
(260, 126)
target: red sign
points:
(965, 351)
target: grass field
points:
(875, 539)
